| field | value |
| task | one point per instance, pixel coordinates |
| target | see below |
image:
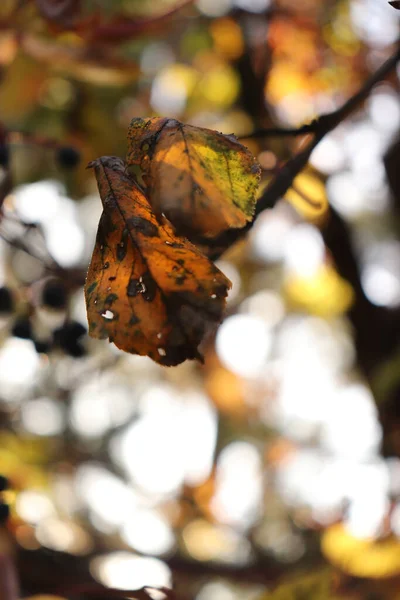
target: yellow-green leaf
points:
(203, 181)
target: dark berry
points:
(22, 329)
(6, 300)
(3, 483)
(4, 155)
(70, 332)
(42, 347)
(54, 294)
(68, 157)
(68, 337)
(76, 350)
(4, 512)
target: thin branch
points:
(282, 131)
(326, 123)
(285, 176)
(30, 139)
(20, 245)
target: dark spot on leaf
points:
(135, 287)
(123, 245)
(150, 287)
(145, 285)
(112, 278)
(144, 226)
(106, 265)
(180, 261)
(174, 244)
(92, 287)
(134, 320)
(111, 298)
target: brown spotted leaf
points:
(203, 181)
(147, 290)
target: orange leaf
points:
(203, 181)
(147, 290)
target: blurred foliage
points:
(273, 471)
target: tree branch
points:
(285, 176)
(325, 123)
(281, 131)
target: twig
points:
(325, 123)
(286, 174)
(31, 139)
(20, 245)
(281, 131)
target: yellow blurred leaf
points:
(227, 37)
(308, 196)
(220, 85)
(369, 558)
(324, 294)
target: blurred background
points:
(277, 463)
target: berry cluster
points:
(46, 322)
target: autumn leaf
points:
(147, 290)
(203, 181)
(361, 557)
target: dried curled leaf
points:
(203, 181)
(148, 291)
